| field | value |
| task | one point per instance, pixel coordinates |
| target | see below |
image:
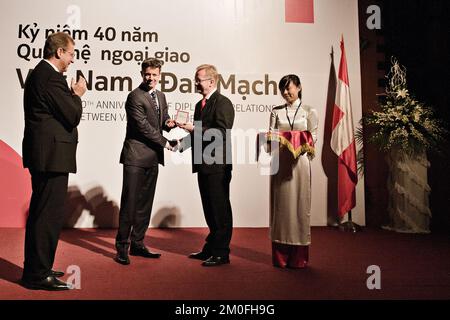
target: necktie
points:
(203, 103)
(153, 95)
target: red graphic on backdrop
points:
(15, 188)
(299, 11)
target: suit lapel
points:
(160, 100)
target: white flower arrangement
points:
(403, 124)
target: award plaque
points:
(182, 117)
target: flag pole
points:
(349, 225)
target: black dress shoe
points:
(143, 252)
(50, 283)
(199, 255)
(122, 256)
(215, 261)
(57, 274)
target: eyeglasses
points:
(72, 54)
(197, 81)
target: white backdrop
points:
(248, 40)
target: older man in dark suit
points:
(52, 114)
(210, 139)
(142, 151)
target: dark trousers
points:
(215, 194)
(138, 192)
(44, 222)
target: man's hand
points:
(79, 87)
(186, 126)
(170, 123)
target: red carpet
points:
(412, 267)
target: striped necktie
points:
(153, 95)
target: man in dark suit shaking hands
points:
(52, 114)
(210, 139)
(142, 151)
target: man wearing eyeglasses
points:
(52, 114)
(210, 139)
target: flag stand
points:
(349, 225)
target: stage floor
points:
(411, 267)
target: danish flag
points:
(343, 140)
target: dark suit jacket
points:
(52, 114)
(217, 119)
(144, 142)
